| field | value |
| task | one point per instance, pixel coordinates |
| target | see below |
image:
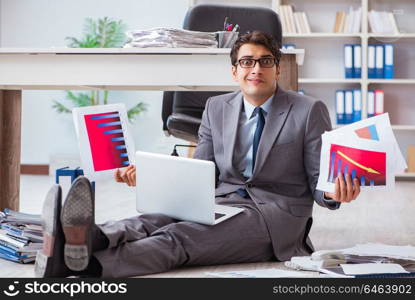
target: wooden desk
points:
(163, 69)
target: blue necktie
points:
(257, 136)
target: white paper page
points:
(265, 273)
(115, 138)
(372, 249)
(385, 134)
(328, 163)
(382, 141)
(363, 269)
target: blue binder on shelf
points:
(370, 103)
(357, 61)
(380, 61)
(348, 60)
(357, 105)
(289, 46)
(389, 63)
(340, 107)
(348, 106)
(371, 61)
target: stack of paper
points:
(382, 22)
(373, 249)
(366, 150)
(20, 236)
(171, 38)
(348, 22)
(362, 259)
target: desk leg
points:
(10, 141)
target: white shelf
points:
(403, 127)
(322, 35)
(328, 80)
(405, 176)
(392, 36)
(391, 81)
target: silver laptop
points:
(181, 188)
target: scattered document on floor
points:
(366, 150)
(331, 262)
(406, 252)
(364, 269)
(264, 273)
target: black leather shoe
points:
(49, 261)
(77, 218)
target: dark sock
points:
(99, 239)
(94, 269)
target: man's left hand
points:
(344, 191)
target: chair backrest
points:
(210, 18)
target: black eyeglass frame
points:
(258, 60)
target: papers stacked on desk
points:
(170, 38)
(20, 236)
(366, 150)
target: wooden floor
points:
(385, 217)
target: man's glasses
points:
(264, 62)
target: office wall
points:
(46, 23)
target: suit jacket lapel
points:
(230, 121)
(273, 124)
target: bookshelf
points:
(323, 70)
(330, 76)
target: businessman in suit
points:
(266, 145)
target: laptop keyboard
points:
(218, 215)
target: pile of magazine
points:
(170, 38)
(20, 236)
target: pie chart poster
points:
(368, 166)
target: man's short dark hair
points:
(257, 38)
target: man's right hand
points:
(126, 176)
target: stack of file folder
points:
(375, 102)
(171, 38)
(380, 62)
(353, 60)
(348, 106)
(20, 236)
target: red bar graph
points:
(368, 166)
(106, 140)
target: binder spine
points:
(357, 105)
(348, 60)
(379, 102)
(357, 61)
(370, 103)
(340, 107)
(371, 61)
(379, 61)
(389, 63)
(348, 106)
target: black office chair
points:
(182, 111)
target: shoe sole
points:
(77, 218)
(50, 218)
